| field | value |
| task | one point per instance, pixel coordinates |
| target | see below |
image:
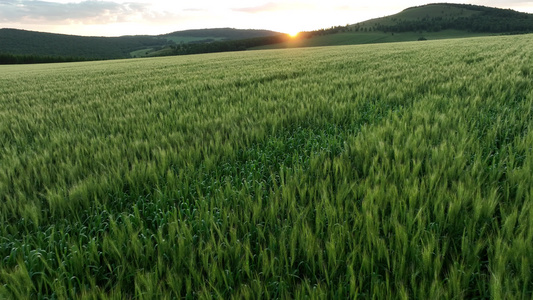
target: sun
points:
(293, 34)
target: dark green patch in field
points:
(258, 165)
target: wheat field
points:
(392, 171)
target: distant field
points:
(371, 37)
(375, 171)
(189, 39)
(141, 53)
(175, 39)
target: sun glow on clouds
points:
(120, 17)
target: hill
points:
(445, 16)
(432, 21)
(24, 42)
(211, 40)
(216, 34)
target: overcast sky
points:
(118, 17)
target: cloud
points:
(195, 9)
(503, 3)
(491, 2)
(276, 7)
(519, 5)
(88, 12)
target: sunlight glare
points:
(293, 34)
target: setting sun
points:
(293, 34)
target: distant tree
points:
(7, 58)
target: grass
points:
(188, 39)
(375, 171)
(165, 50)
(141, 53)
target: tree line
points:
(244, 44)
(9, 59)
(225, 46)
(42, 44)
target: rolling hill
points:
(431, 21)
(23, 42)
(216, 34)
(199, 40)
(445, 16)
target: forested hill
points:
(23, 43)
(222, 33)
(445, 16)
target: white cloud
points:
(90, 12)
(276, 7)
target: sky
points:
(131, 17)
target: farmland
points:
(376, 171)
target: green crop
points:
(380, 171)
